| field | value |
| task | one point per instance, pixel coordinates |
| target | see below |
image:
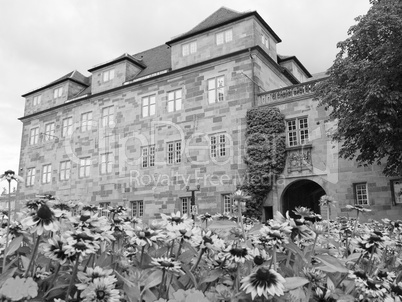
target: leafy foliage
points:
(265, 154)
(364, 88)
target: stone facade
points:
(144, 130)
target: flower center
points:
(177, 220)
(207, 240)
(44, 213)
(239, 252)
(100, 294)
(166, 264)
(258, 260)
(265, 275)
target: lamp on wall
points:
(194, 209)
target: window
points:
(174, 152)
(86, 121)
(297, 132)
(107, 116)
(49, 132)
(65, 169)
(30, 179)
(137, 208)
(34, 136)
(103, 208)
(148, 105)
(106, 165)
(185, 204)
(361, 194)
(396, 189)
(218, 145)
(189, 48)
(216, 89)
(46, 174)
(265, 41)
(174, 100)
(227, 204)
(84, 167)
(224, 37)
(58, 92)
(108, 75)
(67, 125)
(37, 100)
(148, 156)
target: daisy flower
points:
(176, 221)
(91, 274)
(54, 249)
(41, 220)
(206, 240)
(263, 281)
(101, 290)
(17, 288)
(80, 243)
(146, 235)
(167, 264)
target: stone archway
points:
(302, 193)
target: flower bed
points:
(49, 254)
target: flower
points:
(19, 288)
(101, 290)
(205, 217)
(206, 240)
(145, 235)
(91, 274)
(264, 281)
(238, 254)
(80, 243)
(186, 296)
(167, 264)
(177, 222)
(326, 200)
(41, 220)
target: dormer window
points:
(37, 100)
(108, 75)
(224, 37)
(189, 48)
(58, 92)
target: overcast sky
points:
(43, 40)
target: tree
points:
(364, 89)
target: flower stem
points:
(142, 255)
(198, 260)
(354, 228)
(55, 275)
(179, 250)
(33, 256)
(74, 273)
(161, 286)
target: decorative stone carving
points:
(299, 159)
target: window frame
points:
(34, 137)
(149, 106)
(137, 208)
(297, 132)
(174, 156)
(227, 198)
(108, 119)
(148, 159)
(175, 100)
(265, 40)
(225, 38)
(185, 202)
(46, 174)
(49, 134)
(106, 163)
(88, 122)
(65, 170)
(108, 75)
(37, 100)
(188, 48)
(217, 149)
(30, 178)
(216, 90)
(58, 92)
(85, 167)
(396, 190)
(356, 194)
(102, 206)
(67, 130)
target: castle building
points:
(148, 130)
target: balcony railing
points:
(306, 88)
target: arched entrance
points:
(302, 193)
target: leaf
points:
(14, 245)
(298, 294)
(295, 282)
(152, 280)
(149, 296)
(190, 275)
(25, 262)
(332, 263)
(212, 276)
(6, 275)
(132, 292)
(56, 291)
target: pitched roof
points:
(282, 58)
(125, 56)
(222, 17)
(155, 59)
(74, 76)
